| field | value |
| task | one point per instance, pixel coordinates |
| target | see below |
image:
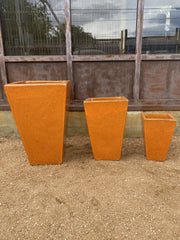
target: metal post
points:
(69, 44)
(2, 64)
(139, 32)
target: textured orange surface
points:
(158, 132)
(39, 109)
(106, 119)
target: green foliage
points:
(28, 30)
(79, 37)
(23, 22)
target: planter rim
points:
(37, 82)
(106, 99)
(158, 117)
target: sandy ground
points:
(86, 199)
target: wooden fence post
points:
(69, 45)
(2, 65)
(139, 32)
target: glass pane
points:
(161, 29)
(33, 27)
(103, 27)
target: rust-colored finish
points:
(106, 79)
(160, 57)
(160, 80)
(103, 58)
(106, 119)
(93, 58)
(158, 132)
(36, 71)
(39, 109)
(36, 58)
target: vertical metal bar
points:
(69, 44)
(19, 24)
(2, 64)
(139, 32)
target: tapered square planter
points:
(106, 118)
(39, 109)
(158, 132)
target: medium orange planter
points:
(158, 132)
(39, 109)
(106, 118)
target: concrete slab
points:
(76, 125)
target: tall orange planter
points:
(39, 109)
(158, 132)
(106, 119)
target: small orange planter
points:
(106, 118)
(39, 109)
(158, 132)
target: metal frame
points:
(14, 59)
(2, 64)
(139, 30)
(69, 45)
(138, 57)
